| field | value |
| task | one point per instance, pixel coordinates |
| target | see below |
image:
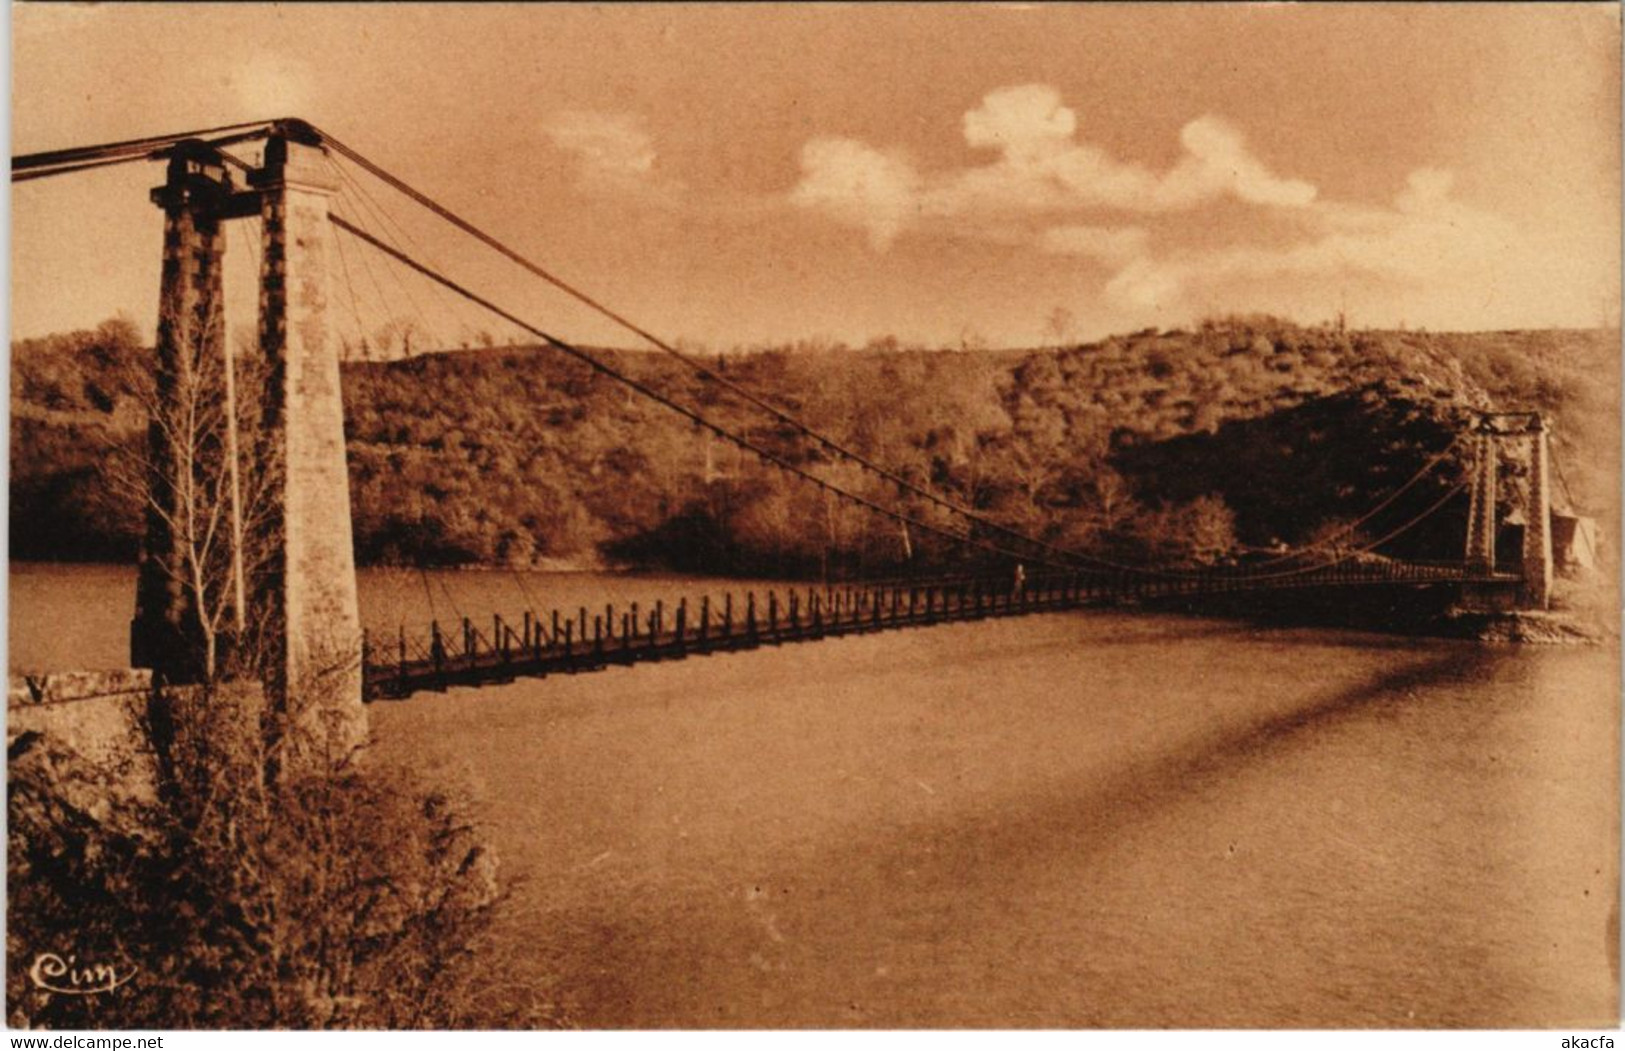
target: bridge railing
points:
(569, 641)
(572, 641)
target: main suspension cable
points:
(1350, 527)
(1368, 548)
(700, 368)
(56, 162)
(682, 410)
(777, 413)
(79, 158)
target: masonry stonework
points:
(166, 633)
(1537, 530)
(302, 608)
(309, 593)
(1481, 522)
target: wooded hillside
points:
(1198, 446)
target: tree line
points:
(1190, 446)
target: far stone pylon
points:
(1481, 513)
(307, 594)
(1537, 529)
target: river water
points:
(1068, 820)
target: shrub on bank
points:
(182, 888)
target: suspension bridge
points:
(283, 570)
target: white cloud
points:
(1218, 162)
(1427, 239)
(1042, 168)
(1426, 190)
(1050, 189)
(271, 84)
(1111, 245)
(858, 185)
(1024, 120)
(609, 148)
(1144, 283)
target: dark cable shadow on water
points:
(663, 963)
(1152, 629)
(1159, 624)
(1397, 610)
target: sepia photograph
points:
(705, 516)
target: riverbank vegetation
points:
(211, 865)
(1195, 446)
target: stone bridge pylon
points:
(1494, 430)
(286, 577)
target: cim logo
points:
(71, 978)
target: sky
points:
(979, 175)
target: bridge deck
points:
(508, 652)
